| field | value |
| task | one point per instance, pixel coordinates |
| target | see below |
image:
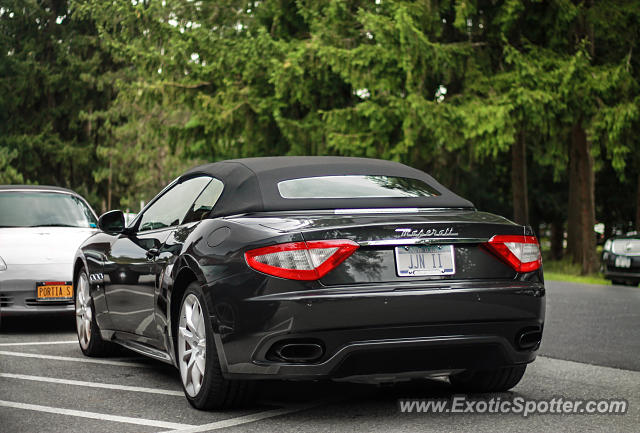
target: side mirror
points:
(112, 222)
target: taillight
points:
(300, 260)
(522, 253)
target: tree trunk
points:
(109, 182)
(535, 225)
(574, 222)
(581, 201)
(557, 238)
(608, 229)
(519, 180)
(638, 204)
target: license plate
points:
(623, 262)
(415, 261)
(54, 291)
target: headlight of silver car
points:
(3, 265)
(607, 245)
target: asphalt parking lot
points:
(591, 350)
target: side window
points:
(169, 209)
(205, 202)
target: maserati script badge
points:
(422, 233)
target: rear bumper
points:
(369, 331)
(420, 355)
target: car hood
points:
(38, 245)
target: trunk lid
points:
(383, 237)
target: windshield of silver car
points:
(44, 209)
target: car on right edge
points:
(621, 259)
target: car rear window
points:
(354, 186)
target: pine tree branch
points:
(187, 86)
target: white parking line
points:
(92, 384)
(226, 423)
(95, 415)
(72, 359)
(38, 343)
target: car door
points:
(136, 259)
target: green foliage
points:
(116, 98)
(8, 174)
(47, 78)
(565, 270)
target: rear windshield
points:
(43, 209)
(355, 186)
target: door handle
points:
(153, 253)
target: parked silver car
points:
(41, 227)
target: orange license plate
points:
(55, 291)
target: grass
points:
(584, 279)
(564, 270)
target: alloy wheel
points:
(192, 345)
(84, 314)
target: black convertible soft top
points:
(251, 184)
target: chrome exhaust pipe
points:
(529, 339)
(299, 352)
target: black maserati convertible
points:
(309, 268)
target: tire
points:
(196, 351)
(499, 380)
(632, 283)
(87, 330)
